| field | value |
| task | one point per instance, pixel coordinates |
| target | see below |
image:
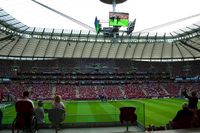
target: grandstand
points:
(81, 66)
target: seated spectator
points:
(39, 113)
(196, 119)
(58, 103)
(198, 115)
(57, 114)
(183, 118)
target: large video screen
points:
(118, 19)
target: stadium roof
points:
(151, 15)
(21, 40)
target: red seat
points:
(25, 113)
(127, 114)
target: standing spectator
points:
(58, 103)
(39, 113)
(193, 99)
(25, 109)
(26, 98)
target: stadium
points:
(96, 74)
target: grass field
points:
(149, 111)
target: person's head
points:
(40, 103)
(57, 98)
(194, 93)
(25, 94)
(185, 106)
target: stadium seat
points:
(127, 114)
(25, 119)
(56, 116)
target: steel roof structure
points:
(19, 41)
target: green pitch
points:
(149, 111)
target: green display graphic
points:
(121, 22)
(97, 25)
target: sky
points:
(148, 13)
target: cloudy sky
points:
(148, 13)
